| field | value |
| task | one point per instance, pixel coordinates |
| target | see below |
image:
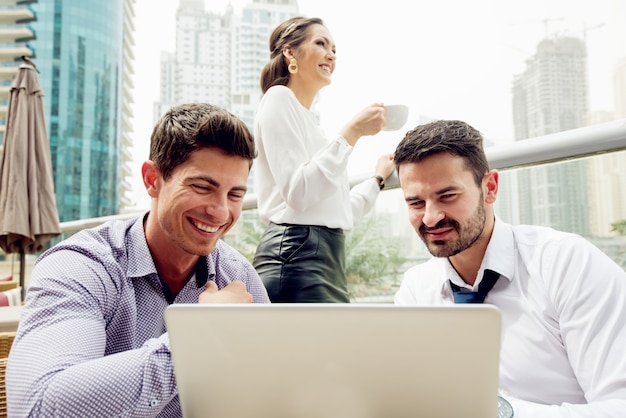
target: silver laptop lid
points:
(335, 360)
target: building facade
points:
(16, 31)
(551, 96)
(219, 56)
(83, 51)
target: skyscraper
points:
(199, 69)
(550, 96)
(83, 50)
(219, 56)
(251, 51)
(16, 18)
(608, 190)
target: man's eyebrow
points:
(411, 198)
(240, 189)
(439, 192)
(207, 179)
(446, 190)
(215, 183)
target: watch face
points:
(505, 410)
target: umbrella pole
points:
(22, 273)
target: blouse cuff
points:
(343, 141)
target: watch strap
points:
(381, 182)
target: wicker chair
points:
(8, 285)
(3, 389)
(6, 340)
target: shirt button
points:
(154, 402)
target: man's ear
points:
(490, 184)
(150, 175)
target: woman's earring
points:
(293, 66)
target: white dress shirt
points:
(563, 306)
(301, 177)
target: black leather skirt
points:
(302, 264)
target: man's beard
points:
(468, 234)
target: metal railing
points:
(577, 143)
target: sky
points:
(445, 59)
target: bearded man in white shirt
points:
(562, 300)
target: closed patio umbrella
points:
(28, 212)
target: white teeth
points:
(207, 228)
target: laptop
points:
(335, 360)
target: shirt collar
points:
(500, 254)
(137, 248)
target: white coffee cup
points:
(396, 116)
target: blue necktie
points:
(462, 295)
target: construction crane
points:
(584, 31)
(546, 24)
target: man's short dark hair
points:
(452, 136)
(188, 127)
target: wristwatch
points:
(505, 410)
(381, 182)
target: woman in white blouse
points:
(301, 177)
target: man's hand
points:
(235, 292)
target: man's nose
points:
(218, 207)
(432, 215)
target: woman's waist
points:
(298, 225)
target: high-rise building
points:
(608, 190)
(199, 68)
(251, 51)
(219, 56)
(550, 96)
(16, 18)
(83, 50)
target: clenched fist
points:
(235, 292)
